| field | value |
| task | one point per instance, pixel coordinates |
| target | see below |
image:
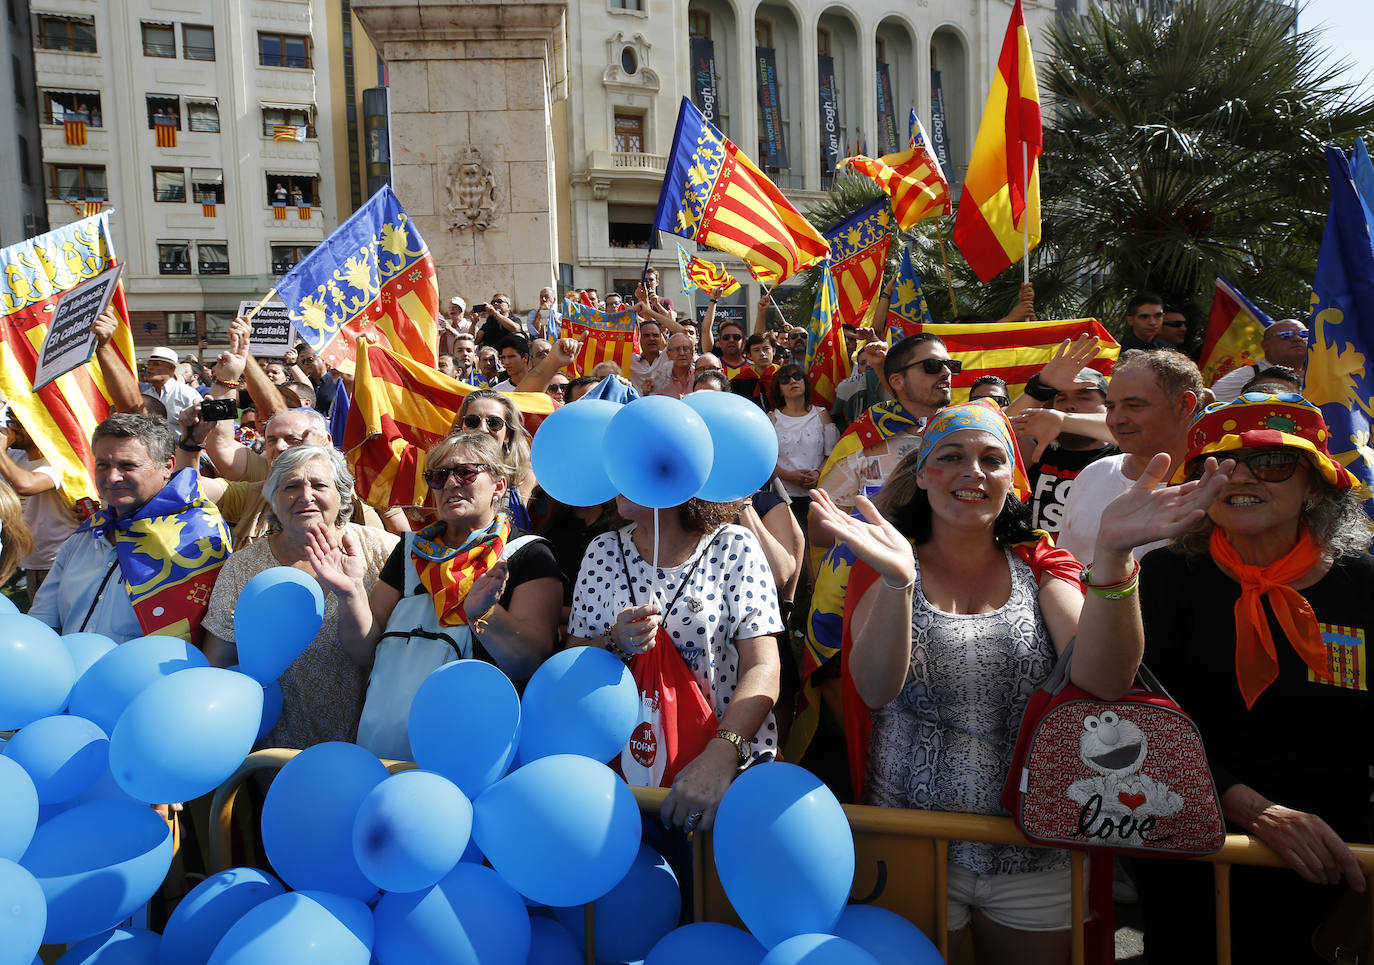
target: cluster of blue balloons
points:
(655, 451)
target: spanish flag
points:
(1234, 330)
(714, 194)
(999, 192)
(400, 408)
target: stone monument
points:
(471, 87)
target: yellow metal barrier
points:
(901, 859)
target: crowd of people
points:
(933, 558)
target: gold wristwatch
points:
(741, 745)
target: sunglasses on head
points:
(933, 366)
(494, 423)
(1266, 465)
(464, 472)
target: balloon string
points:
(655, 582)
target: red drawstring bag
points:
(675, 720)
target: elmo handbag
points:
(1129, 775)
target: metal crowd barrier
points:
(901, 859)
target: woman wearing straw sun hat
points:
(1257, 621)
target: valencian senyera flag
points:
(1340, 374)
(1002, 186)
(827, 362)
(908, 310)
(714, 194)
(400, 408)
(705, 275)
(373, 276)
(288, 132)
(170, 552)
(858, 252)
(62, 414)
(913, 180)
(74, 127)
(165, 130)
(1234, 330)
(602, 336)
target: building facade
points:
(22, 214)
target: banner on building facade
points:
(830, 116)
(939, 136)
(887, 114)
(772, 143)
(704, 78)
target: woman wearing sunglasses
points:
(1258, 621)
(492, 412)
(805, 435)
(469, 586)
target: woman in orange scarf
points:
(1256, 621)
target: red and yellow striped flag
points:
(303, 212)
(165, 129)
(279, 212)
(288, 132)
(999, 192)
(912, 178)
(400, 409)
(704, 275)
(74, 128)
(87, 209)
(605, 337)
(858, 252)
(62, 414)
(1015, 351)
(208, 209)
(715, 195)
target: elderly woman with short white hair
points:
(308, 489)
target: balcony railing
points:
(636, 159)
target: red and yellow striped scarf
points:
(448, 573)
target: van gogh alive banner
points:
(939, 136)
(773, 145)
(830, 116)
(704, 95)
(887, 114)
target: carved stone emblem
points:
(471, 192)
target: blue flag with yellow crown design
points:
(908, 310)
(1340, 374)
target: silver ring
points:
(690, 824)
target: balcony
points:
(638, 161)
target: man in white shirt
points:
(515, 359)
(1284, 343)
(651, 362)
(170, 391)
(1150, 405)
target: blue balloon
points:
(562, 830)
(567, 453)
(275, 618)
(7, 605)
(64, 755)
(308, 815)
(115, 679)
(216, 714)
(472, 917)
(25, 913)
(582, 701)
(36, 671)
(86, 649)
(300, 928)
(271, 705)
(123, 946)
(658, 452)
(784, 852)
(203, 917)
(411, 830)
(745, 440)
(551, 944)
(887, 936)
(633, 916)
(19, 805)
(707, 941)
(97, 863)
(818, 950)
(475, 699)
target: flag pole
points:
(949, 282)
(258, 307)
(1025, 221)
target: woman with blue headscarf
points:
(956, 613)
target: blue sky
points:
(1346, 28)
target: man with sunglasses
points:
(1284, 343)
(499, 322)
(729, 344)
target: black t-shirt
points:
(1306, 743)
(492, 331)
(532, 561)
(1051, 479)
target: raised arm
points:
(119, 380)
(537, 379)
(340, 567)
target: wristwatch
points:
(741, 745)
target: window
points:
(207, 185)
(293, 189)
(169, 184)
(163, 105)
(19, 85)
(283, 50)
(274, 117)
(626, 4)
(84, 182)
(197, 43)
(159, 40)
(174, 258)
(25, 162)
(284, 257)
(629, 133)
(213, 258)
(202, 116)
(57, 104)
(630, 225)
(217, 326)
(66, 33)
(629, 61)
(698, 23)
(181, 326)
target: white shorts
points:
(1035, 901)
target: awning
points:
(279, 106)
